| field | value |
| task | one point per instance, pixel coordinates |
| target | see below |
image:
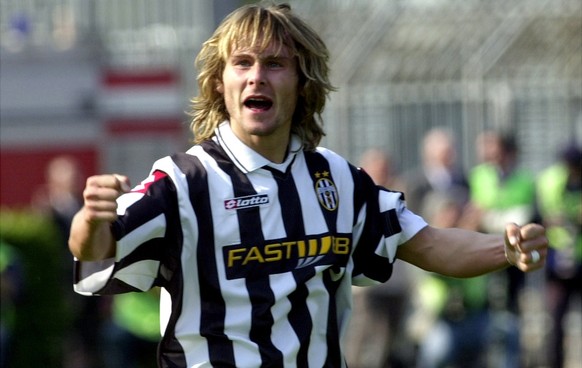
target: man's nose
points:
(257, 74)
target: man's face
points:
(260, 92)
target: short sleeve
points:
(385, 223)
(142, 235)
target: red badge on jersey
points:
(144, 185)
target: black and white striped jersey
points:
(256, 260)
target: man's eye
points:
(242, 62)
(274, 64)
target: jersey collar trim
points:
(245, 158)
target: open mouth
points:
(258, 103)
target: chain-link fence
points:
(406, 66)
(402, 67)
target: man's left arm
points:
(464, 253)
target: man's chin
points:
(260, 129)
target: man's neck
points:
(271, 149)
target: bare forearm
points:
(455, 252)
(90, 241)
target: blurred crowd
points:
(423, 320)
(119, 331)
(417, 319)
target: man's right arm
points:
(91, 238)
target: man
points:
(255, 234)
(559, 194)
(438, 173)
(503, 191)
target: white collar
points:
(247, 159)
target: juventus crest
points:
(326, 191)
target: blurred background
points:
(94, 86)
(105, 79)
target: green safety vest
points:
(139, 313)
(555, 201)
(488, 191)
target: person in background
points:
(451, 318)
(439, 170)
(559, 191)
(257, 234)
(501, 190)
(376, 337)
(59, 199)
(131, 334)
(381, 168)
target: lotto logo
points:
(246, 202)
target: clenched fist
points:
(526, 247)
(100, 195)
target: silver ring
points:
(535, 256)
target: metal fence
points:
(543, 115)
(406, 66)
(401, 66)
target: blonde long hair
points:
(260, 26)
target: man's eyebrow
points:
(262, 56)
(236, 54)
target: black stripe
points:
(377, 224)
(359, 191)
(391, 223)
(299, 316)
(213, 305)
(259, 289)
(334, 355)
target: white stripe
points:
(318, 305)
(188, 324)
(158, 101)
(127, 200)
(283, 335)
(155, 228)
(271, 216)
(92, 280)
(343, 179)
(313, 219)
(139, 274)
